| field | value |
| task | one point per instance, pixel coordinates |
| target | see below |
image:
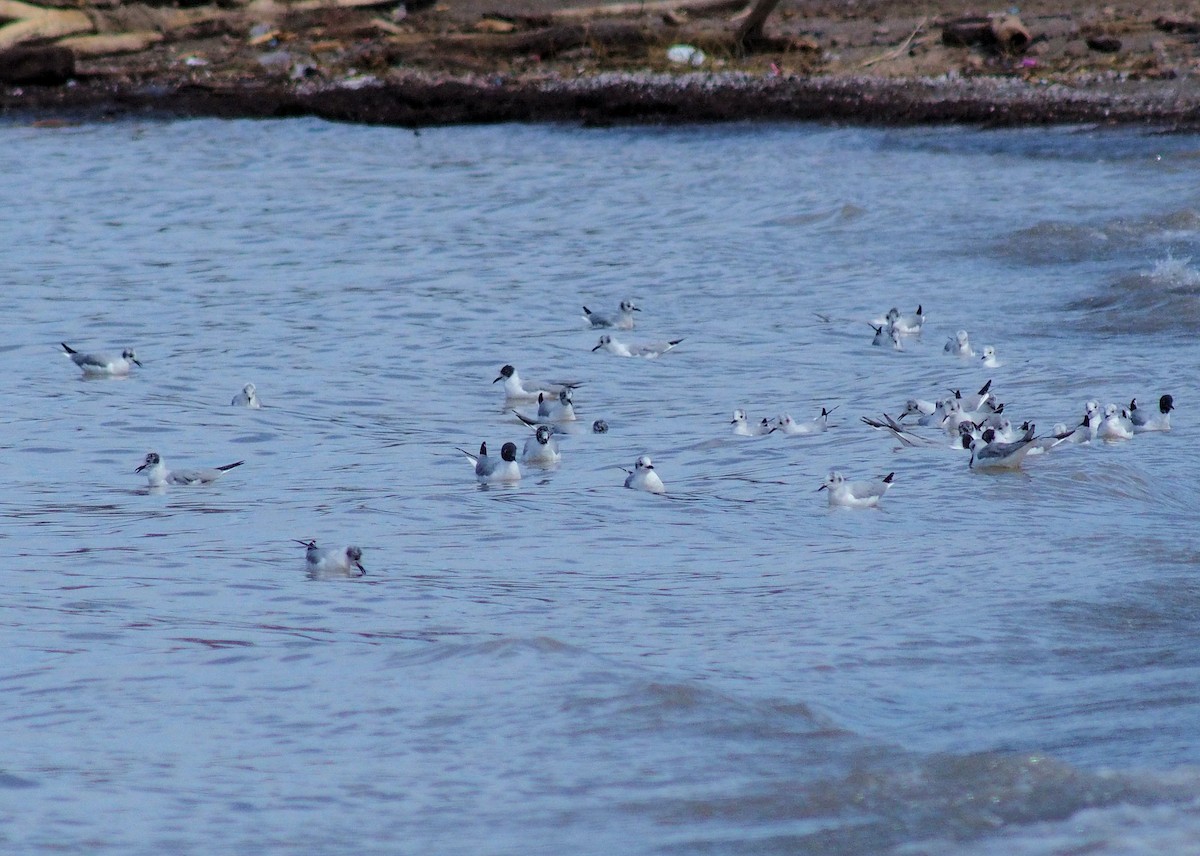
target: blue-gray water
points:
(1000, 664)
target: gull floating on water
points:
(248, 397)
(817, 425)
(909, 325)
(158, 474)
(742, 427)
(887, 336)
(647, 350)
(1115, 426)
(959, 346)
(622, 321)
(988, 358)
(516, 389)
(490, 470)
(987, 453)
(332, 562)
(644, 477)
(102, 364)
(1143, 421)
(541, 449)
(976, 400)
(859, 494)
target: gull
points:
(1115, 426)
(102, 364)
(564, 411)
(543, 412)
(541, 449)
(490, 470)
(643, 476)
(817, 425)
(959, 346)
(908, 325)
(920, 407)
(976, 401)
(331, 562)
(966, 432)
(515, 389)
(987, 453)
(955, 416)
(158, 474)
(1081, 433)
(648, 350)
(1143, 421)
(855, 494)
(988, 358)
(248, 397)
(622, 321)
(887, 336)
(1092, 418)
(742, 428)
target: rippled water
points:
(984, 665)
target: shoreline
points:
(624, 98)
(425, 63)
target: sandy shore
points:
(847, 61)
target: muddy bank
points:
(627, 98)
(465, 63)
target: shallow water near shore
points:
(985, 664)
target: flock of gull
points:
(974, 422)
(556, 410)
(320, 562)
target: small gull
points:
(887, 336)
(644, 477)
(648, 350)
(158, 475)
(987, 453)
(490, 470)
(1081, 433)
(817, 425)
(908, 325)
(959, 346)
(102, 364)
(743, 428)
(248, 397)
(988, 358)
(622, 321)
(1143, 421)
(1115, 426)
(974, 401)
(858, 494)
(564, 411)
(911, 439)
(541, 449)
(516, 389)
(331, 562)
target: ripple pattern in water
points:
(983, 664)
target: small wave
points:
(1052, 242)
(1161, 300)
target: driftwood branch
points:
(896, 52)
(650, 7)
(127, 25)
(751, 27)
(37, 23)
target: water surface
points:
(985, 664)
